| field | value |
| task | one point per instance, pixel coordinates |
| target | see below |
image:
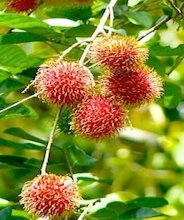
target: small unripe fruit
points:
(63, 83)
(22, 5)
(117, 52)
(50, 196)
(137, 87)
(98, 118)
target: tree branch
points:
(99, 28)
(20, 102)
(156, 27)
(48, 148)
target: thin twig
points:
(69, 164)
(178, 61)
(48, 148)
(175, 7)
(98, 29)
(18, 103)
(72, 47)
(86, 210)
(111, 11)
(156, 27)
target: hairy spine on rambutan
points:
(22, 5)
(117, 52)
(50, 196)
(134, 88)
(63, 82)
(98, 117)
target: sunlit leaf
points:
(18, 132)
(20, 21)
(20, 146)
(13, 58)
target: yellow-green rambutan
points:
(117, 52)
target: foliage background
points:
(146, 159)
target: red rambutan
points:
(50, 196)
(63, 83)
(137, 87)
(117, 52)
(98, 117)
(22, 5)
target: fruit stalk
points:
(48, 148)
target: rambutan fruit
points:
(63, 83)
(98, 117)
(22, 5)
(135, 88)
(117, 52)
(50, 196)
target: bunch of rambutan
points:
(126, 83)
(97, 113)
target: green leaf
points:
(78, 157)
(18, 218)
(104, 214)
(21, 21)
(15, 161)
(157, 50)
(149, 202)
(34, 162)
(64, 120)
(18, 111)
(20, 146)
(9, 85)
(18, 132)
(85, 30)
(172, 95)
(140, 214)
(90, 178)
(19, 215)
(13, 58)
(132, 3)
(120, 207)
(156, 64)
(167, 10)
(4, 75)
(5, 213)
(140, 18)
(20, 37)
(81, 13)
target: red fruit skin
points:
(117, 52)
(98, 117)
(50, 196)
(135, 88)
(22, 5)
(64, 83)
